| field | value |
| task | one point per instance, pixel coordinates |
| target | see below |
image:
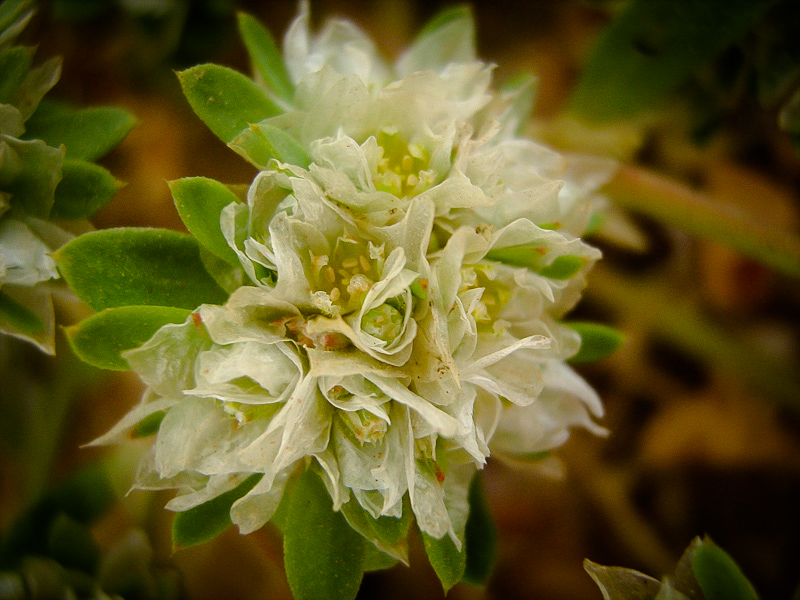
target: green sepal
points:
(597, 341)
(19, 317)
(101, 338)
(12, 10)
(225, 100)
(15, 62)
(84, 189)
(323, 555)
(72, 545)
(88, 134)
(480, 536)
(148, 426)
(200, 201)
(446, 560)
(718, 574)
(210, 519)
(532, 256)
(652, 47)
(261, 142)
(137, 266)
(563, 267)
(388, 534)
(265, 56)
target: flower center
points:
(348, 273)
(401, 170)
(494, 298)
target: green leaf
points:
(206, 521)
(324, 557)
(100, 339)
(445, 559)
(387, 534)
(88, 134)
(19, 317)
(15, 63)
(225, 100)
(261, 142)
(200, 201)
(375, 560)
(597, 341)
(480, 536)
(719, 576)
(652, 47)
(84, 189)
(132, 266)
(33, 188)
(11, 10)
(148, 426)
(445, 18)
(265, 56)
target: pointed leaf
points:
(33, 188)
(19, 317)
(84, 189)
(563, 267)
(11, 10)
(15, 63)
(200, 201)
(262, 142)
(100, 339)
(652, 47)
(480, 536)
(225, 100)
(88, 134)
(718, 574)
(597, 341)
(618, 583)
(445, 559)
(265, 56)
(133, 266)
(206, 521)
(323, 556)
(532, 256)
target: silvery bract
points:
(396, 315)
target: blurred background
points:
(701, 273)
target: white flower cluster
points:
(399, 319)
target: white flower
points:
(399, 317)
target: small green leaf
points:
(323, 555)
(12, 10)
(225, 100)
(132, 266)
(265, 56)
(34, 185)
(84, 189)
(262, 142)
(375, 560)
(15, 62)
(100, 339)
(563, 267)
(88, 134)
(480, 536)
(597, 341)
(206, 521)
(718, 574)
(445, 559)
(199, 202)
(19, 317)
(652, 47)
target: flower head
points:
(400, 268)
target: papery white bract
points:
(397, 315)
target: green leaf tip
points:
(718, 574)
(206, 521)
(323, 555)
(101, 339)
(597, 341)
(265, 56)
(447, 561)
(480, 536)
(225, 100)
